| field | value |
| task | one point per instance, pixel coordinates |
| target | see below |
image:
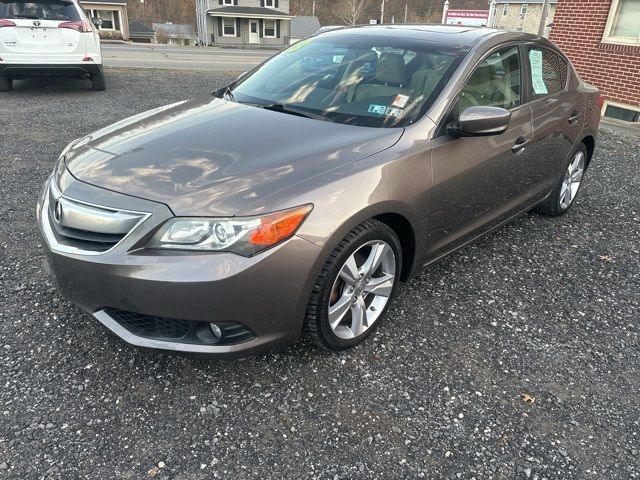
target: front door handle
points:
(521, 142)
(575, 115)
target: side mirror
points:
(96, 21)
(480, 122)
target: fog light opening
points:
(215, 330)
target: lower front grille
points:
(150, 327)
(180, 331)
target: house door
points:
(254, 37)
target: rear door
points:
(41, 30)
(558, 116)
(478, 180)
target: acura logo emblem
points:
(37, 23)
(57, 212)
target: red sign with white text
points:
(467, 17)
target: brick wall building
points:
(602, 40)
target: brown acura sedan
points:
(295, 200)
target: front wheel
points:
(354, 290)
(6, 84)
(568, 186)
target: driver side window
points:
(495, 82)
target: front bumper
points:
(266, 293)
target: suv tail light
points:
(600, 101)
(79, 26)
(7, 23)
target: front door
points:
(477, 181)
(254, 36)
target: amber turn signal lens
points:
(279, 226)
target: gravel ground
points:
(544, 307)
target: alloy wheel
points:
(362, 289)
(572, 180)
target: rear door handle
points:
(521, 142)
(575, 115)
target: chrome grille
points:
(78, 227)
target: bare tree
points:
(302, 7)
(349, 11)
(162, 36)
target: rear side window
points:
(57, 10)
(548, 72)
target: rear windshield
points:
(60, 10)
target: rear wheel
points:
(354, 291)
(6, 84)
(568, 186)
(99, 82)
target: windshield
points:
(58, 10)
(366, 80)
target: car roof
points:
(457, 34)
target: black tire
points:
(6, 84)
(551, 206)
(316, 326)
(99, 82)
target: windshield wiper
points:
(28, 17)
(228, 93)
(225, 92)
(283, 108)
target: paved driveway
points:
(544, 307)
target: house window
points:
(505, 10)
(228, 27)
(270, 3)
(227, 2)
(620, 111)
(523, 10)
(108, 19)
(623, 24)
(270, 29)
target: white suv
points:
(47, 37)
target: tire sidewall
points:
(6, 84)
(579, 148)
(380, 232)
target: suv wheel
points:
(99, 82)
(354, 290)
(6, 84)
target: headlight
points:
(242, 235)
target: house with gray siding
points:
(244, 22)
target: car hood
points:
(212, 157)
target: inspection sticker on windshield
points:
(393, 112)
(400, 101)
(379, 109)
